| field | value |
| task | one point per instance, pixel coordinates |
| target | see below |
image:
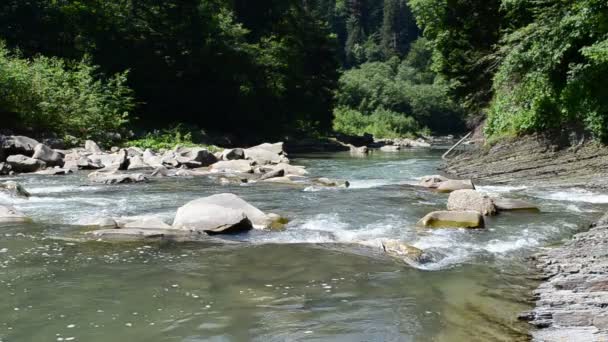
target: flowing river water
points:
(307, 283)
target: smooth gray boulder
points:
(296, 170)
(92, 147)
(48, 155)
(227, 166)
(221, 213)
(12, 215)
(401, 250)
(23, 164)
(465, 200)
(150, 158)
(137, 163)
(267, 154)
(273, 174)
(197, 155)
(18, 144)
(142, 222)
(390, 148)
(14, 189)
(141, 235)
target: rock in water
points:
(21, 163)
(267, 154)
(273, 174)
(14, 189)
(92, 147)
(48, 155)
(401, 250)
(453, 185)
(453, 219)
(432, 182)
(509, 204)
(222, 213)
(331, 182)
(465, 200)
(12, 215)
(195, 157)
(19, 145)
(390, 148)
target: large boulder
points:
(48, 155)
(221, 213)
(453, 185)
(465, 200)
(228, 166)
(289, 169)
(267, 154)
(14, 189)
(150, 158)
(17, 144)
(432, 182)
(12, 215)
(453, 219)
(22, 163)
(92, 147)
(117, 178)
(510, 204)
(233, 154)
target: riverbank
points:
(535, 160)
(571, 303)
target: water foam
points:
(574, 195)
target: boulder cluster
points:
(466, 206)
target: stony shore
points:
(535, 160)
(572, 300)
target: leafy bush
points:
(381, 123)
(168, 139)
(70, 99)
(553, 73)
(406, 87)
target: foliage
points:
(406, 87)
(169, 138)
(552, 76)
(237, 66)
(463, 34)
(381, 123)
(68, 98)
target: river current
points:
(307, 283)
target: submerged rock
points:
(327, 182)
(402, 250)
(14, 189)
(464, 200)
(57, 171)
(509, 204)
(453, 185)
(453, 219)
(137, 234)
(390, 148)
(12, 215)
(143, 222)
(221, 213)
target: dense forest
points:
(272, 68)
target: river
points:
(307, 283)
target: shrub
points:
(168, 139)
(66, 98)
(381, 123)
